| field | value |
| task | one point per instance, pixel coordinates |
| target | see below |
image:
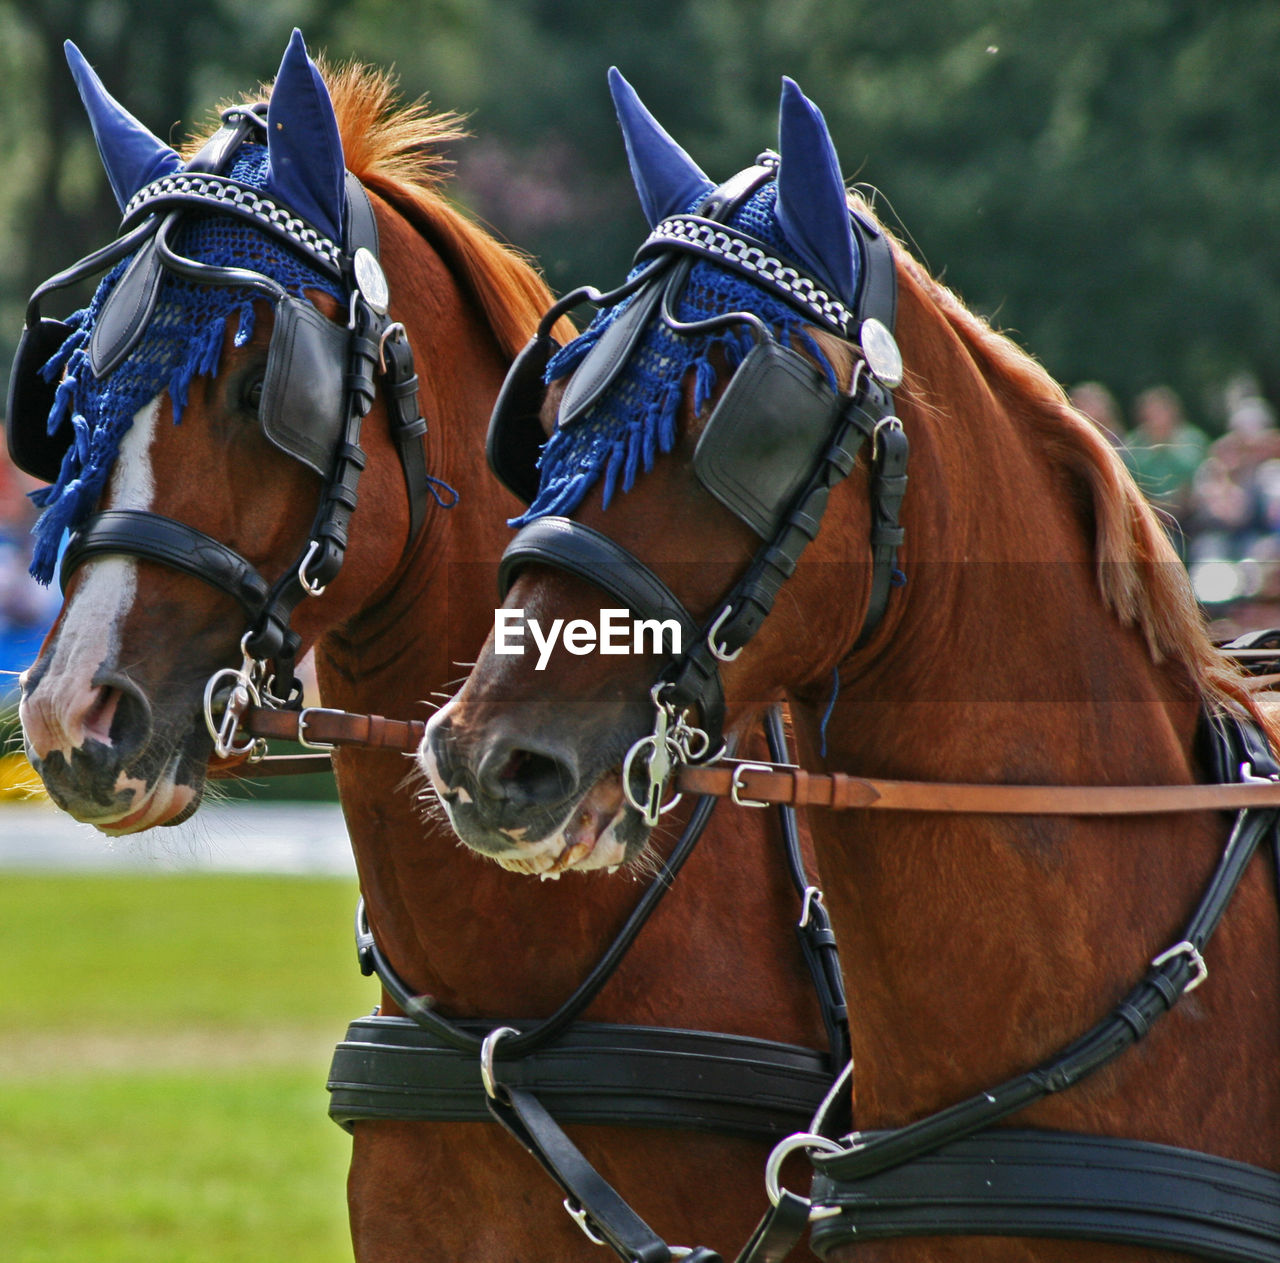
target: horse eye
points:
(252, 398)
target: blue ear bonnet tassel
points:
(183, 341)
(636, 418)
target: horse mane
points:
(398, 150)
(1139, 574)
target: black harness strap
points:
(427, 1066)
(594, 1072)
(610, 1220)
(1167, 980)
(580, 550)
(1057, 1184)
(817, 939)
(894, 1176)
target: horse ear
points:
(811, 207)
(666, 178)
(305, 168)
(132, 156)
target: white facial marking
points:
(89, 634)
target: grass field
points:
(163, 1047)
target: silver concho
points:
(371, 281)
(882, 354)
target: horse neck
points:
(976, 947)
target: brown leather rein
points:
(752, 784)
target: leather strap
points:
(611, 1221)
(1026, 1183)
(320, 726)
(594, 1072)
(779, 1231)
(584, 551)
(888, 487)
(751, 783)
(757, 783)
(1168, 978)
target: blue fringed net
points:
(636, 418)
(183, 341)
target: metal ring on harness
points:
(787, 1146)
(486, 1060)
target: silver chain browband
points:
(240, 199)
(752, 259)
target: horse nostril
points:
(526, 777)
(100, 713)
(119, 716)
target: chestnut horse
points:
(1019, 617)
(114, 707)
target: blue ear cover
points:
(811, 207)
(305, 168)
(132, 156)
(666, 178)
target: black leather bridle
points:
(320, 382)
(775, 391)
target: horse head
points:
(743, 360)
(235, 343)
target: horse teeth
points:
(548, 876)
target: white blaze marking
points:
(90, 631)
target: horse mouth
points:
(129, 804)
(167, 804)
(600, 831)
(592, 836)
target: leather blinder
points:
(31, 447)
(610, 355)
(759, 445)
(302, 394)
(127, 312)
(515, 435)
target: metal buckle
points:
(394, 330)
(1185, 948)
(735, 785)
(812, 895)
(890, 422)
(301, 736)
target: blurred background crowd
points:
(1219, 497)
(26, 609)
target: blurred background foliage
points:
(1099, 178)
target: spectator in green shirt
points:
(1164, 450)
